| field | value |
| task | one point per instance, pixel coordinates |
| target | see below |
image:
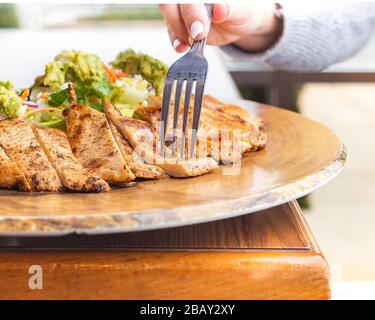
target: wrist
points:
(268, 33)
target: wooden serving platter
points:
(301, 156)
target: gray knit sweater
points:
(316, 36)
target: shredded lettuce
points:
(48, 119)
(129, 93)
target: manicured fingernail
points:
(176, 43)
(196, 29)
(230, 11)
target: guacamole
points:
(73, 66)
(151, 69)
(10, 102)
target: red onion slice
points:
(30, 104)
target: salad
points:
(128, 82)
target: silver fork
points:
(191, 68)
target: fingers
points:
(221, 12)
(196, 20)
(188, 22)
(176, 28)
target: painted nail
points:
(176, 43)
(196, 29)
(230, 11)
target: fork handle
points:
(198, 46)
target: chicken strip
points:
(242, 117)
(10, 175)
(71, 173)
(136, 164)
(190, 167)
(93, 145)
(143, 136)
(19, 143)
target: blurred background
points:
(340, 214)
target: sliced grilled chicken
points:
(93, 145)
(237, 116)
(71, 173)
(225, 133)
(136, 164)
(142, 136)
(230, 135)
(246, 118)
(235, 120)
(190, 167)
(10, 175)
(19, 143)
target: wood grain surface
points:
(270, 255)
(301, 156)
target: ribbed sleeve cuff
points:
(279, 54)
(315, 37)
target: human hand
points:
(252, 26)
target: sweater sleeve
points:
(315, 37)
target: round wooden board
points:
(301, 156)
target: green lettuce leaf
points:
(49, 120)
(58, 98)
(129, 93)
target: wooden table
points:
(266, 255)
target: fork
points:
(192, 69)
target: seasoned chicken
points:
(250, 121)
(94, 146)
(71, 173)
(225, 132)
(237, 116)
(190, 167)
(10, 175)
(143, 136)
(232, 134)
(19, 143)
(140, 134)
(136, 164)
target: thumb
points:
(221, 12)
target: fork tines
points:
(190, 86)
(188, 72)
